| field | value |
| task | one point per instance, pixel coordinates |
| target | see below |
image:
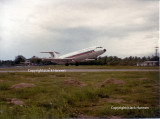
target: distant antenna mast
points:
(156, 51)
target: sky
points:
(123, 27)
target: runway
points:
(109, 70)
(81, 70)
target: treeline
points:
(114, 60)
(107, 60)
(22, 61)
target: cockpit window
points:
(98, 47)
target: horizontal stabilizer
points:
(53, 54)
(50, 52)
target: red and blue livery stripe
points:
(84, 53)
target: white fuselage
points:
(88, 53)
(77, 56)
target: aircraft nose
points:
(104, 50)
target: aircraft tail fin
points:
(53, 54)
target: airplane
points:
(86, 54)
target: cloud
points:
(31, 26)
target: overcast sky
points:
(123, 27)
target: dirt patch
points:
(22, 86)
(74, 82)
(83, 73)
(52, 76)
(1, 81)
(111, 81)
(143, 79)
(16, 101)
(112, 100)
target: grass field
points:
(51, 98)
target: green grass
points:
(50, 98)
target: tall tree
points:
(19, 59)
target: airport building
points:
(148, 63)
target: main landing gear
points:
(76, 64)
(67, 64)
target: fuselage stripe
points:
(81, 54)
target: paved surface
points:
(108, 70)
(81, 70)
